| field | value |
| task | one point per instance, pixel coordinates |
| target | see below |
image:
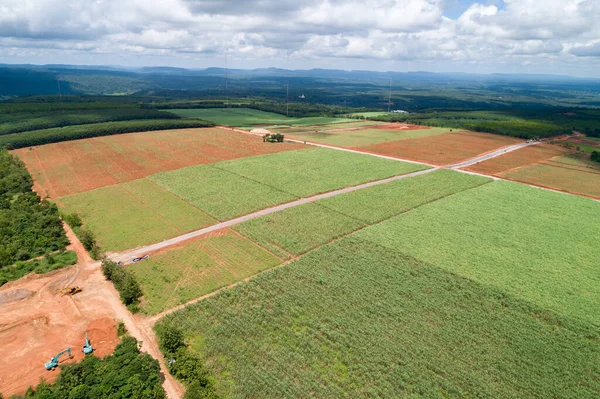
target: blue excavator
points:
(53, 363)
(87, 347)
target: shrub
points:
(595, 156)
(124, 282)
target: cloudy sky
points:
(530, 36)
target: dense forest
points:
(127, 373)
(28, 227)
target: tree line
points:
(29, 227)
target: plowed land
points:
(72, 167)
(443, 149)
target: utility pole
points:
(390, 97)
(287, 100)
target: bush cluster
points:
(124, 282)
(184, 365)
(127, 373)
(595, 156)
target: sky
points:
(506, 36)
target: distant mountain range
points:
(315, 73)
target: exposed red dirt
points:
(71, 167)
(583, 140)
(521, 157)
(442, 149)
(38, 322)
(400, 126)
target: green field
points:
(363, 137)
(219, 193)
(356, 319)
(297, 230)
(292, 232)
(228, 189)
(537, 245)
(308, 172)
(139, 212)
(246, 117)
(198, 268)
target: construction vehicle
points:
(71, 290)
(87, 347)
(54, 360)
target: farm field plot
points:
(521, 157)
(292, 232)
(297, 230)
(219, 193)
(318, 128)
(362, 137)
(197, 268)
(538, 245)
(139, 212)
(242, 117)
(72, 167)
(570, 178)
(316, 170)
(442, 149)
(356, 319)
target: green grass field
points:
(308, 172)
(219, 193)
(363, 137)
(356, 319)
(297, 230)
(228, 189)
(198, 268)
(139, 212)
(292, 232)
(245, 117)
(537, 245)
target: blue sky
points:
(511, 36)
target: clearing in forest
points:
(443, 149)
(136, 213)
(197, 268)
(357, 319)
(72, 167)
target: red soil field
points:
(38, 322)
(72, 167)
(442, 149)
(518, 158)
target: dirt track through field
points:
(99, 303)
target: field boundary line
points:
(124, 256)
(153, 319)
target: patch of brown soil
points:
(442, 149)
(521, 157)
(71, 167)
(38, 322)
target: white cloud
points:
(524, 34)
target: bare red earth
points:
(442, 149)
(72, 167)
